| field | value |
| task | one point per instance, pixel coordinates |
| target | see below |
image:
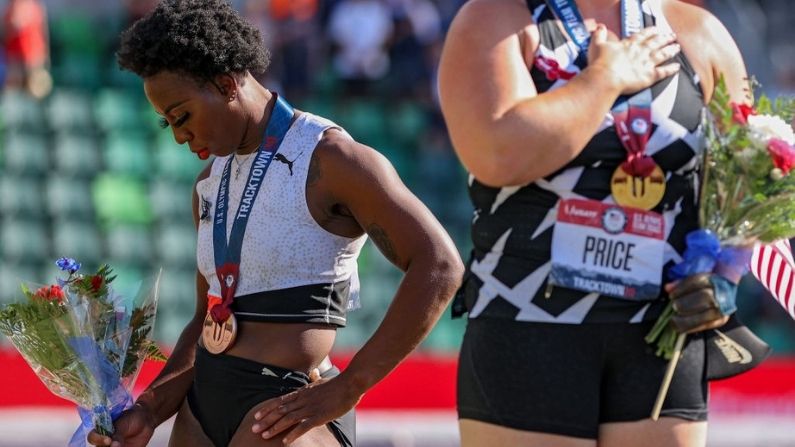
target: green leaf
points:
(153, 352)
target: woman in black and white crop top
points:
(554, 353)
(308, 214)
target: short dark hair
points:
(198, 38)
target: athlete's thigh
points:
(244, 437)
(187, 431)
(531, 377)
(482, 434)
(665, 432)
(631, 387)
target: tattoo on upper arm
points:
(381, 240)
(314, 171)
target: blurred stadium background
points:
(86, 172)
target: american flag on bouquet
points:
(774, 266)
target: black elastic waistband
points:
(221, 363)
(314, 303)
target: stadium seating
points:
(173, 161)
(128, 153)
(68, 197)
(120, 199)
(12, 274)
(118, 110)
(70, 109)
(23, 240)
(21, 197)
(130, 244)
(19, 110)
(171, 200)
(26, 153)
(78, 239)
(175, 244)
(76, 154)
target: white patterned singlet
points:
(283, 246)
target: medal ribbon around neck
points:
(227, 255)
(632, 116)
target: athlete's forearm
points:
(537, 136)
(420, 300)
(165, 394)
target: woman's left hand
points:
(314, 405)
(700, 302)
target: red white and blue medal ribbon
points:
(227, 254)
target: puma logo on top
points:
(283, 159)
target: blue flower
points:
(68, 265)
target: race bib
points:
(604, 248)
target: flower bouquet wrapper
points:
(747, 197)
(85, 342)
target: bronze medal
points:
(638, 192)
(218, 338)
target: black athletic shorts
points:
(225, 388)
(567, 379)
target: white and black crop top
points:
(291, 269)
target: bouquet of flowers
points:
(747, 197)
(747, 193)
(84, 341)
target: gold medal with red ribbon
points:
(638, 182)
(641, 188)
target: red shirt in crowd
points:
(25, 41)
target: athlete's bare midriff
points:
(296, 346)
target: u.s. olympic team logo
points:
(614, 220)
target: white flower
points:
(747, 154)
(776, 174)
(761, 128)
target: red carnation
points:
(50, 293)
(782, 153)
(42, 292)
(96, 283)
(741, 112)
(56, 293)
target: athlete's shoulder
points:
(337, 148)
(205, 172)
(493, 13)
(695, 22)
(709, 45)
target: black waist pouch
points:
(733, 349)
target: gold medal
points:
(218, 338)
(638, 192)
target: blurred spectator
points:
(291, 30)
(257, 13)
(781, 14)
(26, 47)
(747, 21)
(360, 31)
(417, 27)
(136, 9)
